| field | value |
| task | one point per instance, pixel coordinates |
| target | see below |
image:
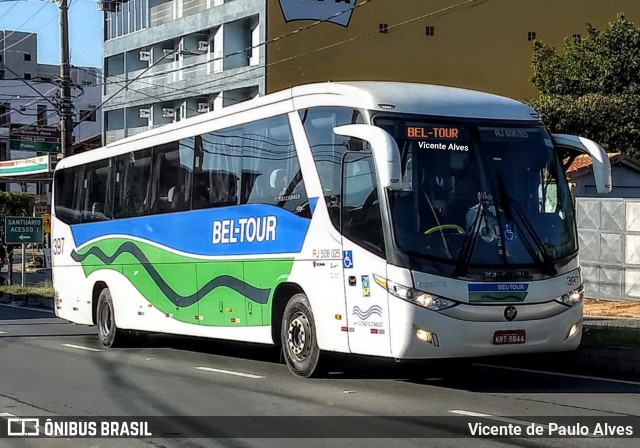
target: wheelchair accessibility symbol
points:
(347, 259)
(509, 232)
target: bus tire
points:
(298, 337)
(108, 333)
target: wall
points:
(481, 45)
(609, 238)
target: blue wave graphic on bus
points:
(241, 230)
(364, 315)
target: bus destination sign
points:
(434, 132)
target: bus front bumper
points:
(419, 333)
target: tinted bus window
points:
(270, 169)
(69, 186)
(218, 168)
(172, 174)
(131, 184)
(97, 203)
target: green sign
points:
(21, 145)
(34, 138)
(22, 230)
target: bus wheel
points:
(298, 334)
(110, 335)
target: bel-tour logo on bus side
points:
(334, 11)
(258, 229)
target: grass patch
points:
(43, 291)
(611, 336)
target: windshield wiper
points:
(468, 245)
(541, 255)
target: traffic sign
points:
(34, 138)
(22, 230)
(46, 220)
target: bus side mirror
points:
(386, 155)
(599, 158)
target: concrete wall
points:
(482, 45)
(609, 239)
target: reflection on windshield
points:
(480, 195)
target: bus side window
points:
(270, 169)
(132, 184)
(361, 217)
(217, 168)
(327, 149)
(96, 199)
(69, 189)
(172, 174)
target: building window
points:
(88, 115)
(5, 114)
(1, 74)
(577, 38)
(531, 36)
(430, 31)
(42, 115)
(27, 76)
(1, 57)
(383, 28)
(27, 57)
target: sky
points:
(42, 17)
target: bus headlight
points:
(432, 302)
(572, 297)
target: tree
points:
(16, 204)
(593, 87)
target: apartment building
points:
(166, 60)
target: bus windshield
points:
(480, 195)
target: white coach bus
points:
(387, 219)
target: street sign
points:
(22, 230)
(25, 167)
(34, 138)
(46, 222)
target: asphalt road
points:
(49, 367)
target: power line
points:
(219, 80)
(211, 83)
(30, 34)
(9, 10)
(31, 87)
(262, 44)
(23, 23)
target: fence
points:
(609, 237)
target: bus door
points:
(363, 256)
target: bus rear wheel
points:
(298, 336)
(110, 335)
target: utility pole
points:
(66, 106)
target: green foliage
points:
(43, 291)
(16, 204)
(611, 120)
(593, 87)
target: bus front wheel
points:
(298, 335)
(110, 335)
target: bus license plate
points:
(509, 337)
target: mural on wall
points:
(333, 11)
